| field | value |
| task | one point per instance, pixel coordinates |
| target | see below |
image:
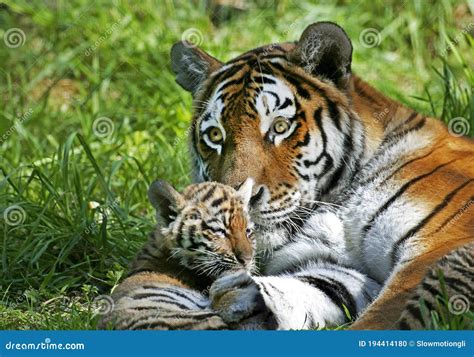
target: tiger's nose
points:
(259, 192)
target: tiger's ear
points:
(166, 200)
(325, 50)
(191, 65)
(244, 191)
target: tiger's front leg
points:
(314, 290)
(320, 295)
(237, 299)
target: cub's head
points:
(207, 226)
(279, 114)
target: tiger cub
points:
(201, 233)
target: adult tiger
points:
(360, 191)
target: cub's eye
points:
(248, 231)
(221, 233)
(193, 216)
(215, 135)
(280, 126)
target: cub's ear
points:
(166, 200)
(191, 65)
(325, 50)
(244, 190)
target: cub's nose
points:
(243, 258)
(240, 258)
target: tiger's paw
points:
(236, 297)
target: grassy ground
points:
(90, 114)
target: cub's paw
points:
(236, 296)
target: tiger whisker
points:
(324, 203)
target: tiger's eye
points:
(215, 135)
(281, 126)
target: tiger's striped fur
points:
(361, 191)
(201, 233)
(457, 271)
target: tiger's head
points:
(279, 114)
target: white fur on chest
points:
(370, 242)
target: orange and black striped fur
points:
(362, 195)
(202, 232)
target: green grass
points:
(449, 312)
(80, 62)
